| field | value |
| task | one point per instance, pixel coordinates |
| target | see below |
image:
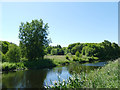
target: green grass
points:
(59, 59)
(105, 77)
(49, 61)
(12, 66)
(37, 64)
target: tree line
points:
(34, 45)
(103, 50)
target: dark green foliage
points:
(71, 46)
(104, 51)
(49, 48)
(33, 38)
(13, 54)
(60, 52)
(5, 45)
(58, 46)
(1, 54)
(23, 50)
(77, 54)
(77, 47)
(66, 50)
(45, 63)
(6, 66)
(57, 51)
(2, 57)
(67, 57)
(54, 51)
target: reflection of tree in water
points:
(34, 78)
(78, 68)
(24, 79)
(12, 79)
(57, 70)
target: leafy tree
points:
(5, 45)
(58, 46)
(13, 54)
(73, 50)
(2, 57)
(49, 48)
(23, 50)
(60, 51)
(33, 36)
(54, 51)
(115, 50)
(77, 54)
(71, 46)
(67, 57)
(66, 50)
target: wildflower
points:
(54, 81)
(51, 85)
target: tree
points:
(5, 45)
(54, 51)
(49, 48)
(77, 53)
(2, 57)
(13, 54)
(33, 36)
(58, 46)
(60, 51)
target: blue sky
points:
(68, 22)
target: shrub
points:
(75, 59)
(54, 51)
(13, 54)
(77, 54)
(2, 57)
(23, 59)
(67, 57)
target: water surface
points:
(39, 78)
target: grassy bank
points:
(48, 62)
(39, 64)
(59, 59)
(106, 77)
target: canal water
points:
(42, 77)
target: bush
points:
(2, 57)
(54, 51)
(67, 57)
(77, 54)
(75, 59)
(23, 59)
(13, 54)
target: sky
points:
(69, 22)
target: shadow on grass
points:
(39, 64)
